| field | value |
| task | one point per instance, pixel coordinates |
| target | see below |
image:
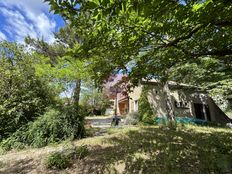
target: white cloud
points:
(34, 6)
(27, 17)
(2, 36)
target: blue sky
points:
(19, 18)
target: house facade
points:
(186, 101)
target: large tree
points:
(23, 95)
(64, 68)
(149, 38)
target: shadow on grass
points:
(156, 151)
(19, 167)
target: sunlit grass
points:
(154, 149)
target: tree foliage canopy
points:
(155, 35)
(24, 96)
(184, 40)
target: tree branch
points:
(223, 23)
(220, 53)
(181, 38)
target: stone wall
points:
(182, 100)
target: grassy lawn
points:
(150, 149)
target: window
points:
(136, 105)
(181, 104)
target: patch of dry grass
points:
(143, 149)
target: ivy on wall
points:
(145, 111)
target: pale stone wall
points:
(133, 97)
(156, 98)
(216, 113)
(184, 98)
(185, 109)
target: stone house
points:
(186, 101)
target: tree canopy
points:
(152, 36)
(24, 96)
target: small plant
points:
(63, 159)
(132, 118)
(2, 164)
(148, 120)
(82, 151)
(57, 160)
(171, 124)
(165, 123)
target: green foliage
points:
(132, 118)
(151, 37)
(92, 98)
(81, 151)
(59, 64)
(63, 159)
(145, 111)
(57, 160)
(23, 95)
(210, 73)
(52, 127)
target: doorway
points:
(199, 111)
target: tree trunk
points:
(169, 107)
(76, 98)
(77, 91)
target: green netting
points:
(183, 120)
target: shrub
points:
(132, 118)
(63, 159)
(147, 119)
(23, 95)
(82, 151)
(54, 126)
(57, 160)
(15, 141)
(145, 110)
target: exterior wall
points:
(183, 101)
(217, 114)
(133, 98)
(156, 98)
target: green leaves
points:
(23, 95)
(157, 36)
(92, 4)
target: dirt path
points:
(100, 122)
(103, 123)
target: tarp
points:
(183, 120)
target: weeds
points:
(57, 160)
(65, 158)
(82, 152)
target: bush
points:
(15, 141)
(54, 126)
(23, 95)
(132, 118)
(145, 110)
(63, 159)
(147, 119)
(57, 160)
(82, 151)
